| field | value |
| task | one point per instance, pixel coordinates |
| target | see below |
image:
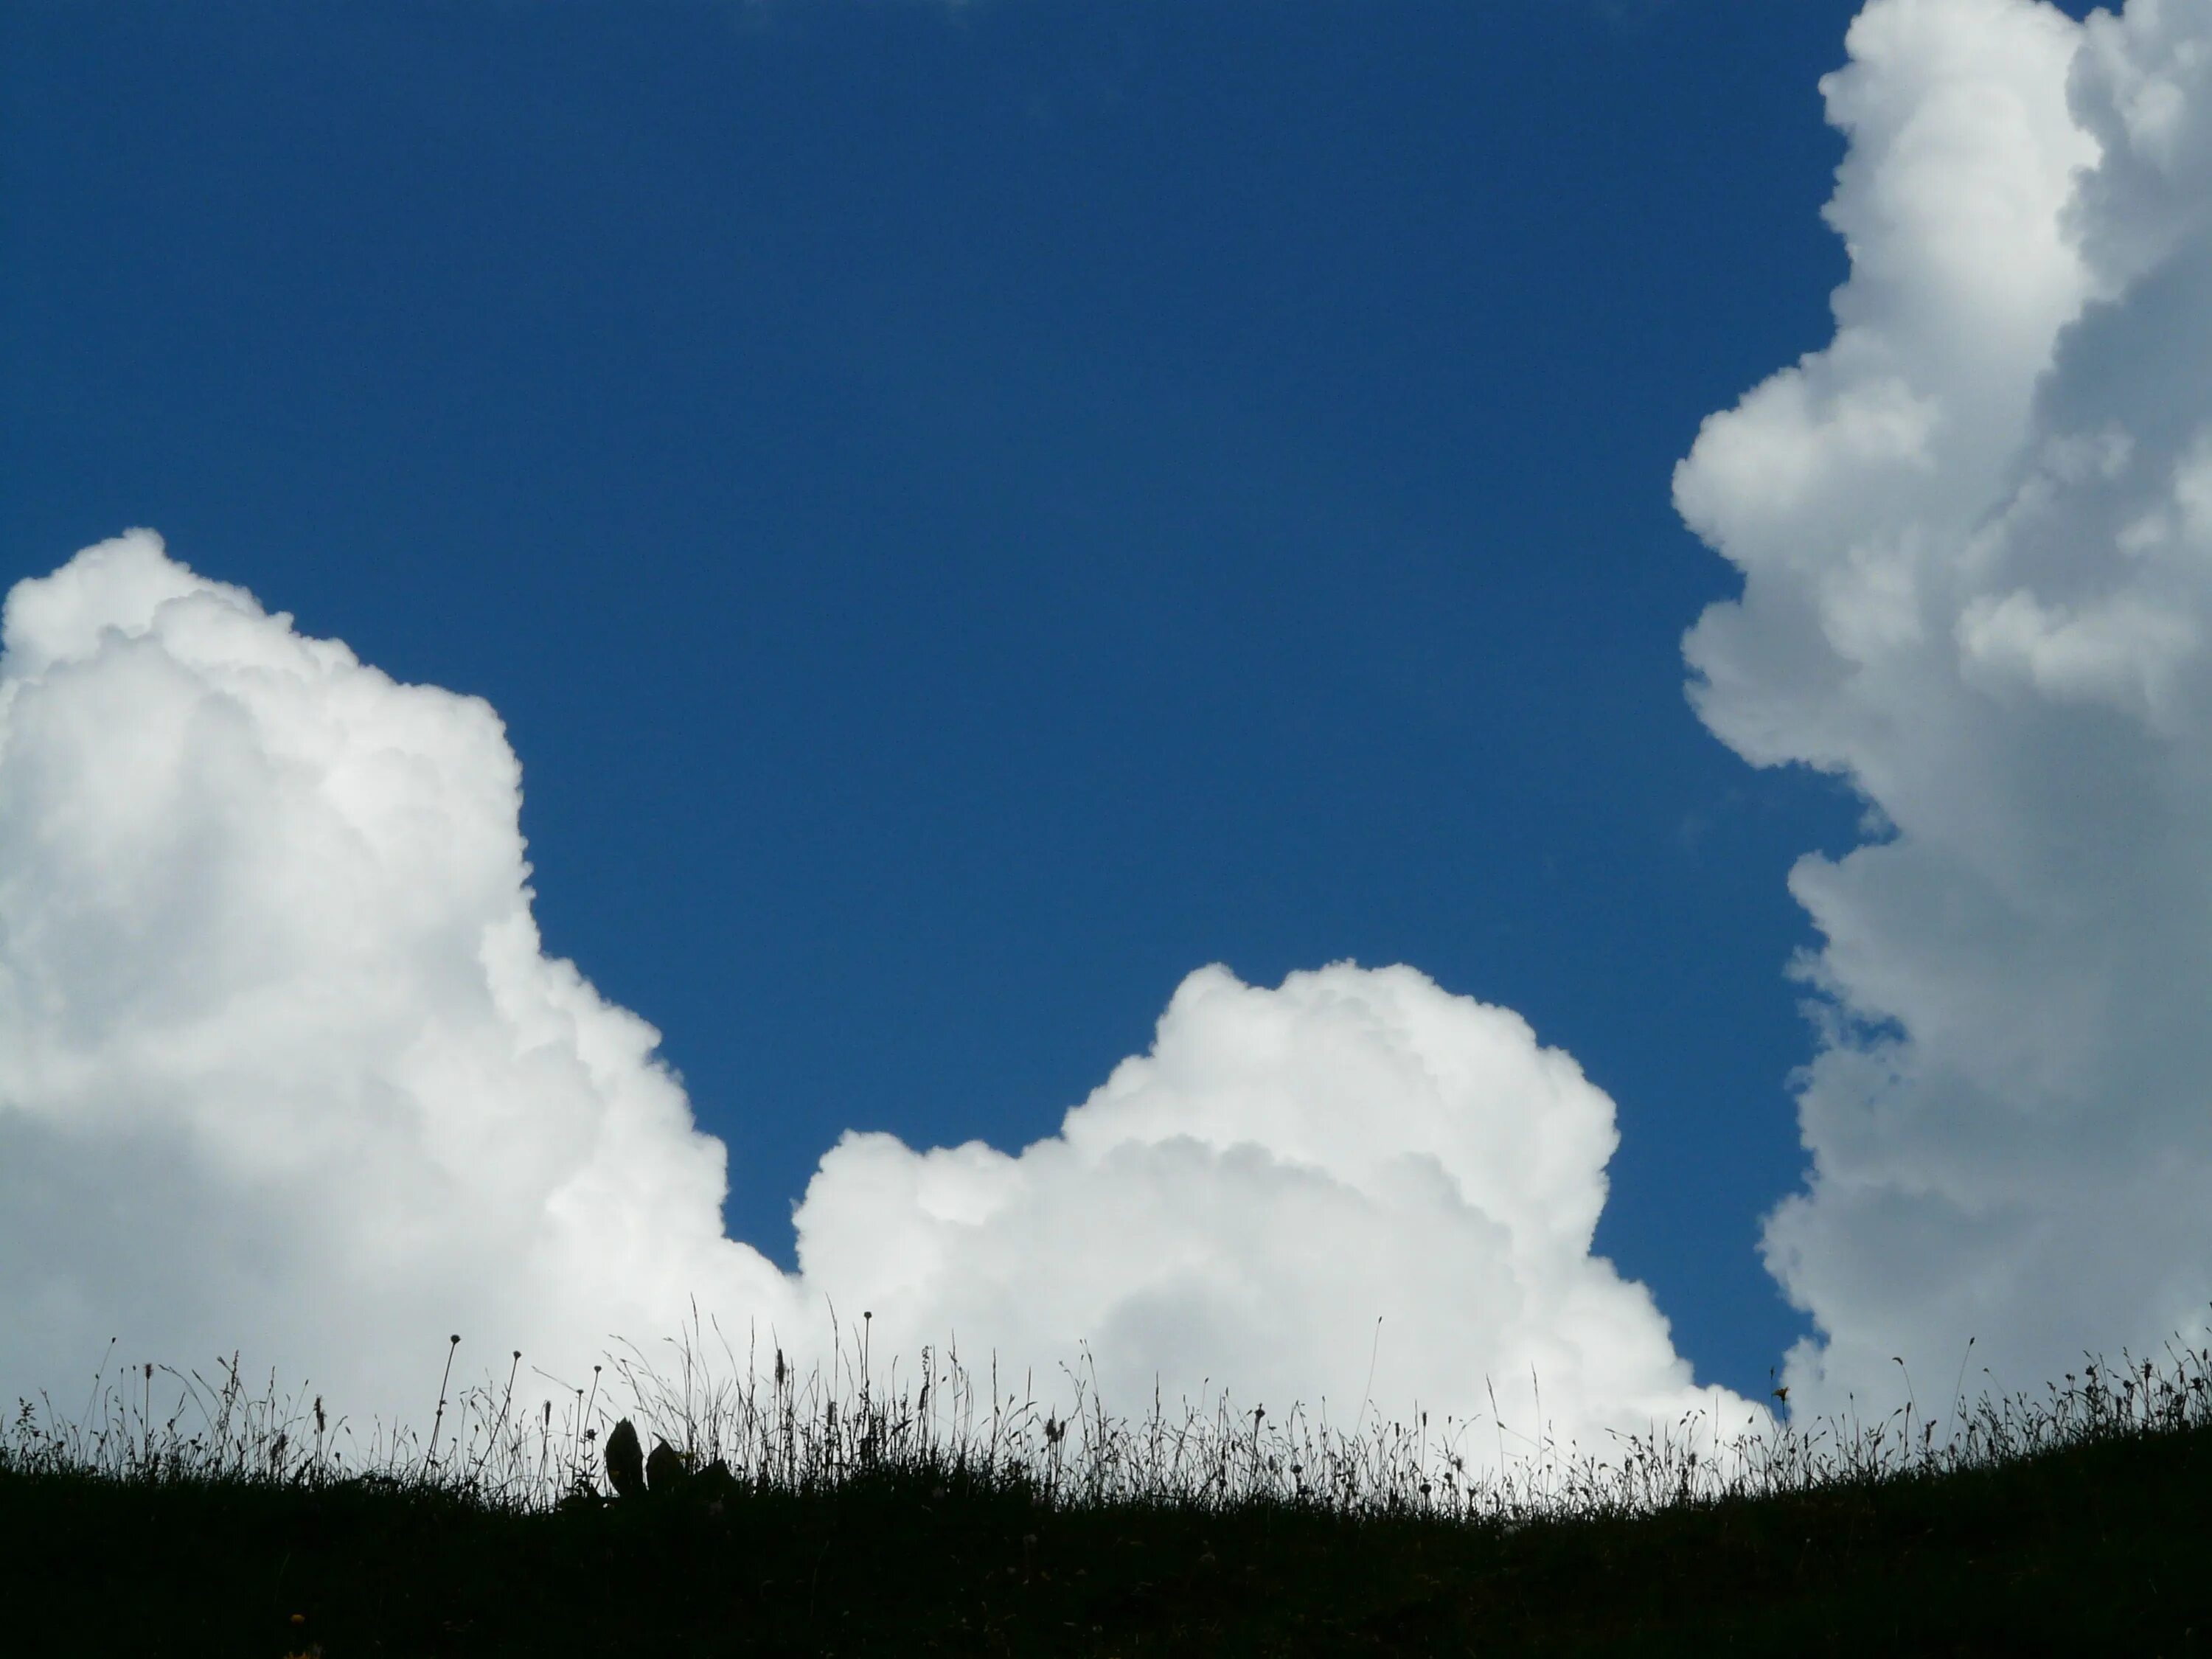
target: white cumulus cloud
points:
(282, 1064)
(284, 1068)
(1283, 1167)
(1976, 534)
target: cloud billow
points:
(281, 1066)
(1973, 533)
(284, 1068)
(1283, 1168)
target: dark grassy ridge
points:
(2083, 1528)
(2101, 1549)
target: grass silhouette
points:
(2080, 1522)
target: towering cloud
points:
(284, 1068)
(1976, 536)
(281, 1066)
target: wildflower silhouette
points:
(625, 1460)
(664, 1470)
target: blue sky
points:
(969, 515)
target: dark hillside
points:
(2100, 1547)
